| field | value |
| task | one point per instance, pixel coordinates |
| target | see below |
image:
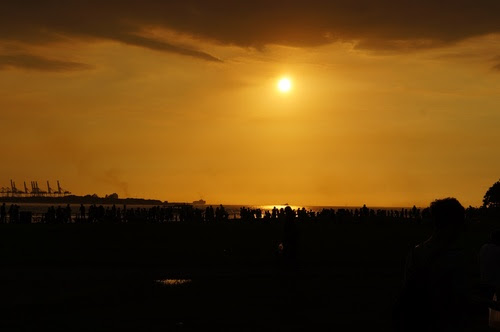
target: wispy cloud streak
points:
(33, 62)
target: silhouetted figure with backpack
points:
(435, 290)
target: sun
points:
(284, 84)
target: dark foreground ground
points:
(102, 277)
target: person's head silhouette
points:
(495, 237)
(448, 215)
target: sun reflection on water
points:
(279, 206)
(173, 282)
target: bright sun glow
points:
(284, 84)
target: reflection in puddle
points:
(173, 282)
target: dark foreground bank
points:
(96, 277)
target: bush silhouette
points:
(492, 197)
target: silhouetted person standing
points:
(435, 292)
(82, 212)
(290, 239)
(489, 259)
(67, 214)
(3, 214)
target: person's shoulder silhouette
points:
(435, 287)
(489, 258)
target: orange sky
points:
(391, 105)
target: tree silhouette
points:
(492, 196)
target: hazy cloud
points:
(112, 177)
(33, 62)
(496, 66)
(383, 24)
(163, 46)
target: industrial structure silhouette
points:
(35, 191)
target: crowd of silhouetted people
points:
(114, 215)
(58, 215)
(189, 213)
(436, 295)
(342, 214)
(12, 213)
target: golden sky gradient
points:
(391, 105)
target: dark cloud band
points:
(383, 24)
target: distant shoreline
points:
(88, 199)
